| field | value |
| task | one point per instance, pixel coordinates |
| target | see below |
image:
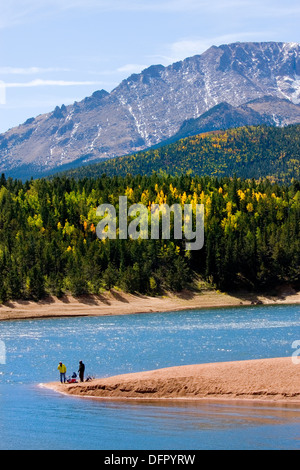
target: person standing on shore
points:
(81, 371)
(62, 370)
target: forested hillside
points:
(48, 241)
(249, 152)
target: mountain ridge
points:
(268, 111)
(150, 107)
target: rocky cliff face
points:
(151, 107)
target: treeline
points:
(49, 246)
(248, 152)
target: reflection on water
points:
(36, 418)
(204, 414)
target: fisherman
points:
(62, 370)
(81, 371)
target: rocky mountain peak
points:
(152, 106)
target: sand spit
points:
(266, 380)
(119, 303)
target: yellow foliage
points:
(241, 195)
(35, 221)
(250, 207)
(129, 193)
(229, 207)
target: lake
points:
(35, 418)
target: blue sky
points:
(60, 51)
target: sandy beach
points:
(272, 380)
(119, 303)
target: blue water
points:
(36, 418)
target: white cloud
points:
(30, 70)
(2, 94)
(12, 13)
(39, 83)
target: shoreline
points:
(272, 381)
(118, 303)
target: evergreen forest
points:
(49, 245)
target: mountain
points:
(249, 152)
(151, 107)
(269, 110)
